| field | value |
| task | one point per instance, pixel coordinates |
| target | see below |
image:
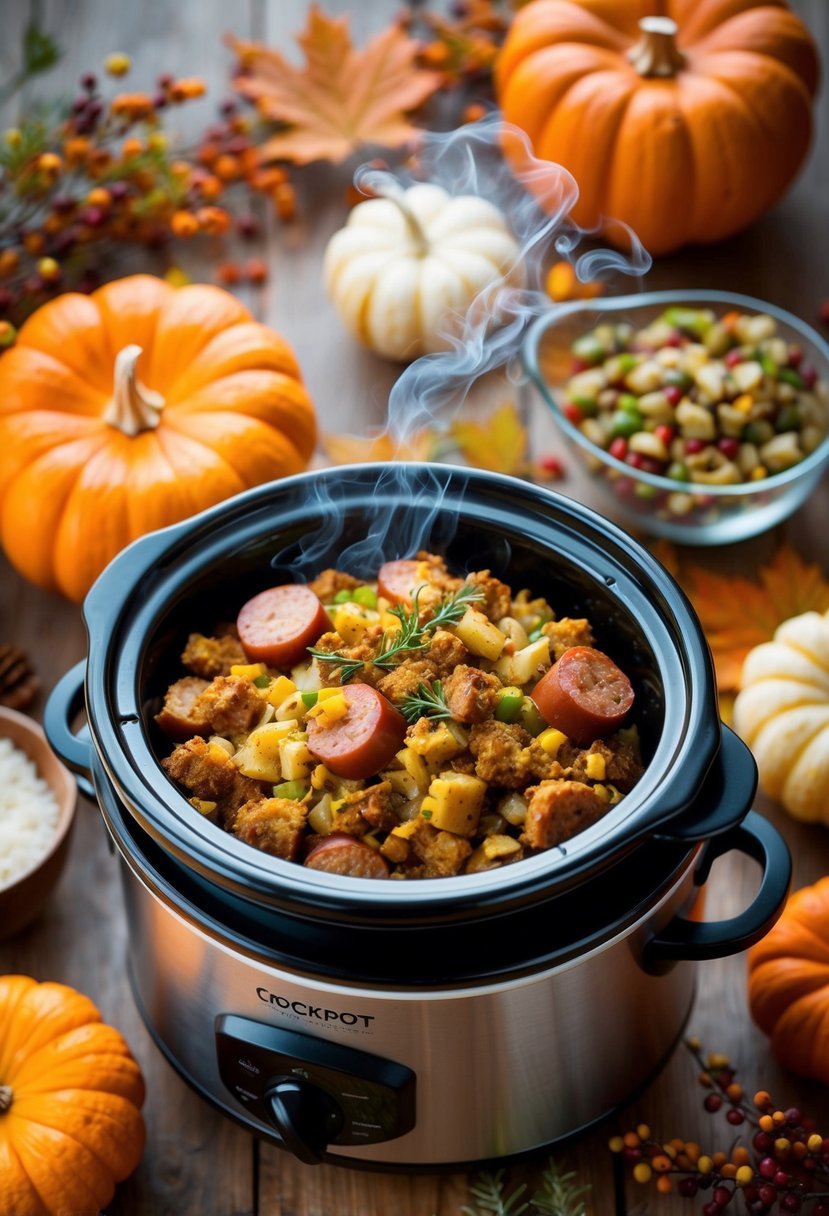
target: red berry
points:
(664, 432)
(552, 465)
(688, 1187)
(823, 312)
(89, 81)
(790, 1202)
(577, 365)
(712, 1103)
(571, 412)
(808, 374)
(793, 1116)
(635, 459)
(767, 1168)
(734, 357)
(721, 1196)
(675, 339)
(763, 1142)
(781, 1178)
(795, 355)
(692, 446)
(711, 1209)
(651, 465)
(618, 447)
(767, 1193)
(735, 1117)
(673, 393)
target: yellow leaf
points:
(341, 98)
(499, 443)
(738, 614)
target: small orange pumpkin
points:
(70, 1099)
(687, 119)
(788, 983)
(133, 408)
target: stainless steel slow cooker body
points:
(439, 1021)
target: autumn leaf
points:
(738, 614)
(342, 98)
(357, 449)
(499, 443)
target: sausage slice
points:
(277, 626)
(584, 694)
(342, 854)
(362, 742)
(398, 580)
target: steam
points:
(411, 504)
(537, 199)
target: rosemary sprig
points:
(411, 636)
(490, 1199)
(557, 1195)
(426, 703)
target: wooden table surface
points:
(197, 1162)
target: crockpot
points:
(429, 1022)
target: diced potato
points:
(351, 621)
(710, 378)
(440, 744)
(493, 851)
(695, 422)
(296, 760)
(402, 782)
(781, 452)
(249, 671)
(513, 808)
(454, 802)
(479, 635)
(279, 690)
(748, 375)
(416, 767)
(259, 756)
(646, 377)
(321, 817)
(306, 676)
(526, 664)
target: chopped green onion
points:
(692, 320)
(262, 681)
(309, 699)
(343, 597)
(296, 790)
(365, 596)
(789, 376)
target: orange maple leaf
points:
(499, 443)
(358, 449)
(341, 98)
(738, 614)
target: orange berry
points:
(9, 262)
(34, 242)
(157, 141)
(8, 334)
(256, 271)
(249, 160)
(779, 1118)
(184, 224)
(435, 55)
(99, 197)
(728, 1170)
(734, 1092)
(53, 223)
(182, 171)
(762, 1100)
(664, 1185)
(211, 187)
(213, 220)
(642, 1172)
(693, 1152)
(474, 112)
(98, 162)
(267, 179)
(228, 273)
(717, 1061)
(49, 162)
(661, 1163)
(227, 167)
(643, 1131)
(719, 1160)
(284, 202)
(766, 1123)
(132, 106)
(631, 1140)
(187, 88)
(670, 1149)
(117, 64)
(76, 150)
(48, 269)
(741, 1155)
(799, 1150)
(130, 148)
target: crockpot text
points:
(314, 1011)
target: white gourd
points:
(782, 713)
(404, 265)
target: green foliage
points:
(558, 1195)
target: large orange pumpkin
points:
(788, 983)
(70, 1099)
(686, 119)
(131, 409)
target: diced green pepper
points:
(535, 634)
(788, 419)
(628, 401)
(645, 491)
(366, 596)
(625, 423)
(691, 320)
(677, 471)
(530, 717)
(344, 597)
(262, 681)
(589, 406)
(678, 377)
(789, 376)
(295, 790)
(309, 699)
(508, 705)
(768, 364)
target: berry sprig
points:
(785, 1169)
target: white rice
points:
(28, 814)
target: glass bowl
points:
(688, 513)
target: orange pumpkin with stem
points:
(70, 1102)
(686, 119)
(130, 409)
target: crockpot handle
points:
(723, 798)
(690, 939)
(66, 700)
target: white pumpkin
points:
(405, 265)
(782, 713)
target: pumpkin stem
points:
(395, 194)
(656, 53)
(134, 407)
(6, 1095)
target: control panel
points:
(316, 1093)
